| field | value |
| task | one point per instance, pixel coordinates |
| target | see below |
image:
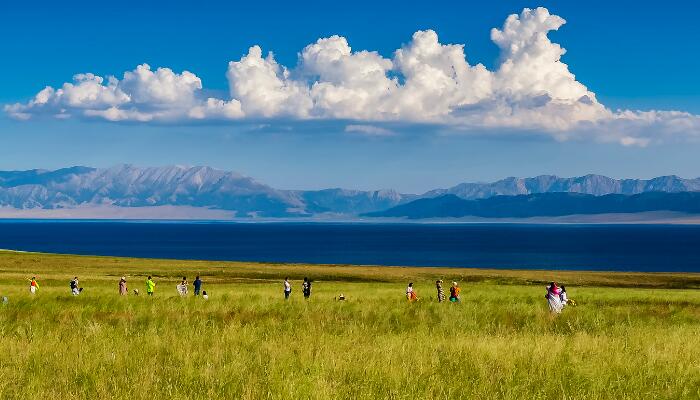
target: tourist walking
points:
(123, 290)
(197, 284)
(411, 293)
(454, 292)
(287, 288)
(306, 288)
(553, 298)
(440, 292)
(150, 286)
(33, 285)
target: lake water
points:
(586, 247)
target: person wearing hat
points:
(454, 292)
(123, 290)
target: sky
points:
(364, 95)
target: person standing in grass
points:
(123, 290)
(75, 287)
(411, 293)
(287, 288)
(562, 296)
(306, 288)
(197, 285)
(440, 292)
(182, 287)
(150, 286)
(553, 298)
(454, 292)
(33, 285)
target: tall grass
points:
(247, 342)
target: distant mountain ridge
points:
(597, 185)
(544, 205)
(130, 186)
(206, 187)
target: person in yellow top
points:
(150, 286)
(33, 285)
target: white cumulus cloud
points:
(424, 81)
(264, 87)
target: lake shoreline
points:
(243, 270)
(185, 214)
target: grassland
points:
(632, 336)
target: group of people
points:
(182, 288)
(557, 298)
(455, 291)
(305, 288)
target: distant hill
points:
(544, 205)
(101, 190)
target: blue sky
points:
(631, 57)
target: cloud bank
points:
(425, 81)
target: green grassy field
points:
(633, 336)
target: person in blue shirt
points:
(197, 285)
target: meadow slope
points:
(632, 336)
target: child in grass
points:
(565, 300)
(150, 286)
(411, 293)
(454, 292)
(562, 296)
(33, 285)
(440, 292)
(205, 296)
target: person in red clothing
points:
(33, 285)
(411, 293)
(454, 292)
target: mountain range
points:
(128, 187)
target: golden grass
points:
(632, 336)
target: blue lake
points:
(585, 247)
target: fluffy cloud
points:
(346, 84)
(264, 87)
(425, 81)
(141, 95)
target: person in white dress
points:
(553, 298)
